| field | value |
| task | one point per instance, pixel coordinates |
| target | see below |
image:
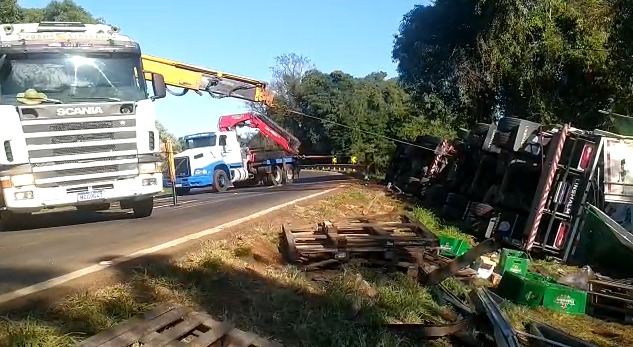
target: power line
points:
(362, 131)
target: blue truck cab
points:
(216, 160)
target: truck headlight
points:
(149, 168)
(22, 180)
(199, 172)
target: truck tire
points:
(220, 181)
(507, 124)
(290, 174)
(143, 208)
(277, 178)
(480, 129)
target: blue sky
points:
(244, 37)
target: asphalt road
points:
(55, 244)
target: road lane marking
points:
(54, 282)
(179, 203)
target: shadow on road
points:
(280, 307)
(66, 218)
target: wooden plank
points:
(261, 342)
(216, 332)
(190, 322)
(241, 337)
(110, 334)
(152, 324)
(155, 339)
(290, 240)
(123, 329)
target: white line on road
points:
(179, 203)
(53, 282)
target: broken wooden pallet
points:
(175, 326)
(329, 243)
(611, 299)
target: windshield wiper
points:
(94, 98)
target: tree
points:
(341, 114)
(9, 11)
(165, 135)
(546, 61)
(60, 11)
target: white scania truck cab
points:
(78, 125)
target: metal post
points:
(284, 177)
(172, 170)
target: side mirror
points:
(159, 87)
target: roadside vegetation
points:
(243, 278)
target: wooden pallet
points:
(175, 326)
(332, 243)
(611, 299)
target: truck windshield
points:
(73, 78)
(197, 142)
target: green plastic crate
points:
(513, 261)
(535, 290)
(452, 247)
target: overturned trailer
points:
(533, 186)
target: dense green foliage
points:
(343, 114)
(550, 61)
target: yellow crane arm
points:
(198, 79)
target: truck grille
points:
(182, 167)
(66, 152)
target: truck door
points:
(230, 149)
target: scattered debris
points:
(611, 299)
(383, 243)
(172, 325)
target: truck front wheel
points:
(220, 180)
(143, 208)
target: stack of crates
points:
(533, 290)
(452, 247)
(513, 261)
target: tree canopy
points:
(342, 114)
(549, 61)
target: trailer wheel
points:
(480, 129)
(452, 213)
(479, 210)
(502, 140)
(507, 124)
(220, 181)
(277, 175)
(290, 174)
(143, 208)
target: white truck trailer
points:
(78, 125)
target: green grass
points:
(439, 227)
(241, 279)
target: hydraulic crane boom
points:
(266, 126)
(217, 84)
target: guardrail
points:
(335, 167)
